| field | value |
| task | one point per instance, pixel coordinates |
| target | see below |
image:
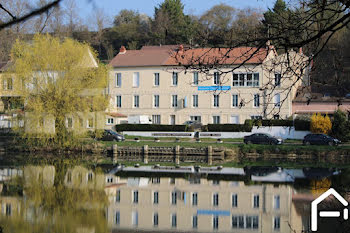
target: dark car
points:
(195, 124)
(262, 138)
(320, 139)
(110, 135)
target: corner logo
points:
(327, 213)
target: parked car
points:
(262, 138)
(110, 135)
(195, 124)
(320, 139)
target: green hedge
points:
(229, 128)
(152, 127)
(298, 124)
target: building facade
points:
(169, 84)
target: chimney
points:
(301, 50)
(122, 50)
(181, 48)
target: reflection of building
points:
(199, 204)
(81, 177)
(42, 175)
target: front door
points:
(196, 118)
(172, 119)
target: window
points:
(90, 123)
(277, 80)
(238, 80)
(173, 198)
(117, 196)
(155, 180)
(276, 223)
(216, 182)
(216, 78)
(155, 197)
(118, 101)
(195, 221)
(175, 79)
(215, 222)
(216, 101)
(156, 101)
(251, 222)
(246, 79)
(195, 101)
(216, 119)
(81, 122)
(256, 80)
(110, 121)
(234, 100)
(256, 117)
(249, 80)
(90, 176)
(69, 122)
(237, 221)
(8, 210)
(256, 201)
(172, 180)
(156, 79)
(195, 78)
(136, 101)
(117, 217)
(256, 100)
(276, 202)
(234, 200)
(174, 101)
(118, 80)
(194, 199)
(7, 84)
(136, 79)
(155, 219)
(276, 116)
(215, 199)
(69, 177)
(109, 179)
(156, 119)
(135, 218)
(173, 220)
(277, 100)
(135, 197)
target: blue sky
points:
(196, 7)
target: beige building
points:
(177, 204)
(167, 84)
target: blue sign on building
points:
(213, 212)
(214, 88)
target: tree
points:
(59, 80)
(340, 126)
(320, 124)
(171, 25)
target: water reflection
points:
(62, 198)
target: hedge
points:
(152, 127)
(298, 124)
(229, 128)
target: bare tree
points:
(298, 33)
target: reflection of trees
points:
(58, 208)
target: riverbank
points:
(229, 152)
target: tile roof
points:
(170, 55)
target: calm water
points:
(62, 197)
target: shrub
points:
(151, 127)
(320, 124)
(340, 126)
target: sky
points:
(195, 7)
